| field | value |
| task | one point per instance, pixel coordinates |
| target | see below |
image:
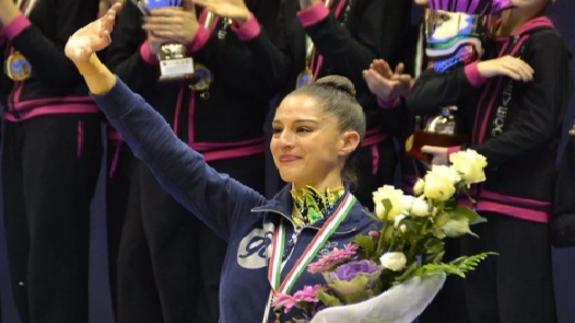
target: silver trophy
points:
(175, 64)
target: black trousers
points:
(119, 176)
(517, 285)
(514, 287)
(50, 170)
(169, 262)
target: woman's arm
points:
(215, 198)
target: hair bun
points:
(337, 82)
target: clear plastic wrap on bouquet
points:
(402, 303)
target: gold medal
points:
(17, 67)
(203, 78)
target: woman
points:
(244, 57)
(316, 129)
(50, 160)
(514, 102)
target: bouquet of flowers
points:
(391, 274)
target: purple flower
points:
(350, 270)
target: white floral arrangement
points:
(392, 274)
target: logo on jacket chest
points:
(254, 248)
(498, 123)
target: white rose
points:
(394, 196)
(440, 183)
(418, 187)
(470, 165)
(415, 206)
(419, 207)
(394, 261)
(397, 220)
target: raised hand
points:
(172, 24)
(509, 66)
(233, 9)
(8, 11)
(92, 38)
(385, 83)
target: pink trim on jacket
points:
(16, 26)
(202, 37)
(515, 200)
(473, 76)
(313, 15)
(147, 55)
(203, 34)
(80, 139)
(517, 207)
(513, 211)
(541, 21)
(249, 30)
(210, 146)
(374, 137)
(233, 153)
(77, 108)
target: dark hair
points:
(335, 94)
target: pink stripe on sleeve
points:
(147, 54)
(202, 37)
(249, 30)
(15, 27)
(313, 15)
(473, 75)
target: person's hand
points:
(385, 83)
(173, 24)
(305, 4)
(509, 66)
(93, 37)
(8, 12)
(440, 154)
(233, 9)
(572, 131)
(156, 43)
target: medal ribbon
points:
(278, 247)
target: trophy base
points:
(176, 69)
(421, 138)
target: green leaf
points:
(457, 226)
(328, 299)
(367, 246)
(388, 206)
(471, 215)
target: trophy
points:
(443, 130)
(175, 65)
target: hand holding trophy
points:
(171, 24)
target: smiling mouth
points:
(288, 158)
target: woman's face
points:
(307, 145)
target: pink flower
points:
(284, 300)
(287, 302)
(336, 256)
(307, 294)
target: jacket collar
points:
(281, 205)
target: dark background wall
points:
(563, 13)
